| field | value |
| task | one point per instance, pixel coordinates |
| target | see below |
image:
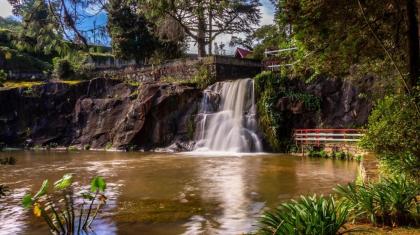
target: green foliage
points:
(9, 23)
(17, 61)
(60, 209)
(309, 215)
(311, 102)
(313, 152)
(270, 87)
(130, 31)
(203, 77)
(391, 201)
(63, 69)
(393, 133)
(334, 44)
(98, 184)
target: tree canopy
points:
(203, 20)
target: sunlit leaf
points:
(64, 182)
(42, 190)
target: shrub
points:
(203, 77)
(393, 132)
(309, 215)
(63, 69)
(59, 209)
(391, 201)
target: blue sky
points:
(267, 10)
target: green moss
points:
(24, 84)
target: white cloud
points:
(5, 8)
(267, 14)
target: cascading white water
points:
(227, 119)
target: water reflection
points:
(171, 194)
(229, 182)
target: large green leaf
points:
(27, 201)
(98, 184)
(42, 191)
(64, 182)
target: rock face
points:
(342, 104)
(98, 113)
(107, 113)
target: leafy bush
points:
(309, 215)
(393, 133)
(60, 210)
(63, 69)
(22, 62)
(391, 201)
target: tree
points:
(38, 34)
(130, 31)
(204, 20)
(379, 36)
(66, 16)
(9, 23)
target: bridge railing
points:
(324, 136)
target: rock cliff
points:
(98, 113)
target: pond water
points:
(162, 193)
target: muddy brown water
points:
(164, 193)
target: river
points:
(164, 193)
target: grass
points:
(30, 84)
(390, 202)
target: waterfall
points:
(227, 118)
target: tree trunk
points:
(413, 42)
(201, 34)
(210, 27)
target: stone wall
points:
(222, 67)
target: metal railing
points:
(323, 136)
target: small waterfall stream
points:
(227, 119)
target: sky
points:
(267, 13)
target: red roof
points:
(241, 53)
